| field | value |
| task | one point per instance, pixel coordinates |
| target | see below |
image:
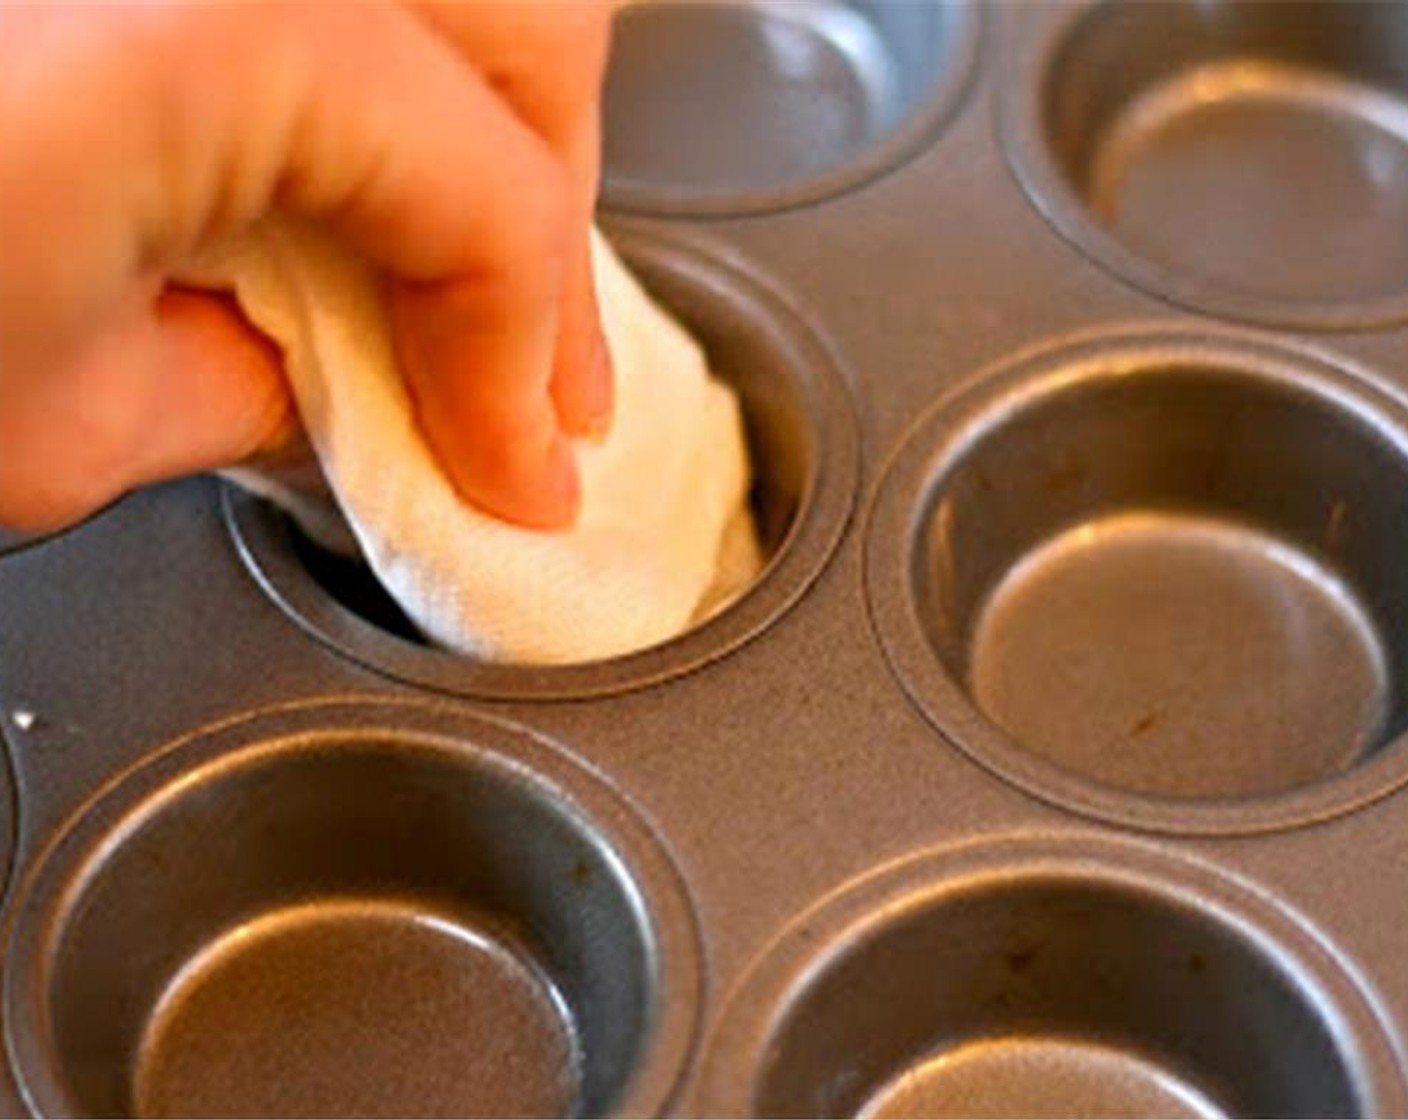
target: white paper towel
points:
(664, 534)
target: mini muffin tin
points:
(1053, 765)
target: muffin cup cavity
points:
(1037, 977)
(346, 908)
(1240, 159)
(1152, 577)
(804, 449)
(718, 108)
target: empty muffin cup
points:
(352, 910)
(802, 444)
(1246, 159)
(1048, 978)
(1155, 577)
(733, 107)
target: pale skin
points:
(456, 146)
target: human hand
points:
(454, 146)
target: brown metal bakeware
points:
(1056, 762)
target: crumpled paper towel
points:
(664, 536)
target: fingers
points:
(432, 175)
(547, 58)
(179, 384)
(473, 211)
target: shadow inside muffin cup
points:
(803, 451)
(1247, 159)
(353, 911)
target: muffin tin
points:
(1054, 763)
